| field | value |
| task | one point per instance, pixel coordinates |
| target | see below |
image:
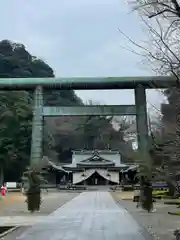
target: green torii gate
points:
(139, 84)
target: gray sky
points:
(79, 38)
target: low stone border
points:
(2, 235)
(172, 203)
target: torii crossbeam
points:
(139, 84)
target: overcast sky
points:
(79, 38)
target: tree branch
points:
(161, 12)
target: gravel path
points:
(51, 202)
(11, 198)
(160, 224)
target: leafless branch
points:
(155, 8)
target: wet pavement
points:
(91, 215)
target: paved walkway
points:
(91, 215)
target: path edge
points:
(146, 233)
(9, 231)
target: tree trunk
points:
(172, 186)
(1, 175)
(146, 197)
(148, 201)
(172, 189)
(34, 199)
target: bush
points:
(136, 199)
(33, 199)
(127, 188)
(34, 191)
(157, 197)
(146, 193)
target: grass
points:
(174, 213)
(160, 192)
(163, 194)
(173, 202)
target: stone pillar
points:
(142, 124)
(37, 128)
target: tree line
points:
(16, 118)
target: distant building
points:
(99, 167)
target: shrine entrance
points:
(139, 84)
(96, 179)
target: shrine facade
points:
(101, 167)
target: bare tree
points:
(162, 8)
(161, 19)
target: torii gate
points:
(139, 84)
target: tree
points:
(162, 19)
(16, 107)
(14, 130)
(90, 132)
